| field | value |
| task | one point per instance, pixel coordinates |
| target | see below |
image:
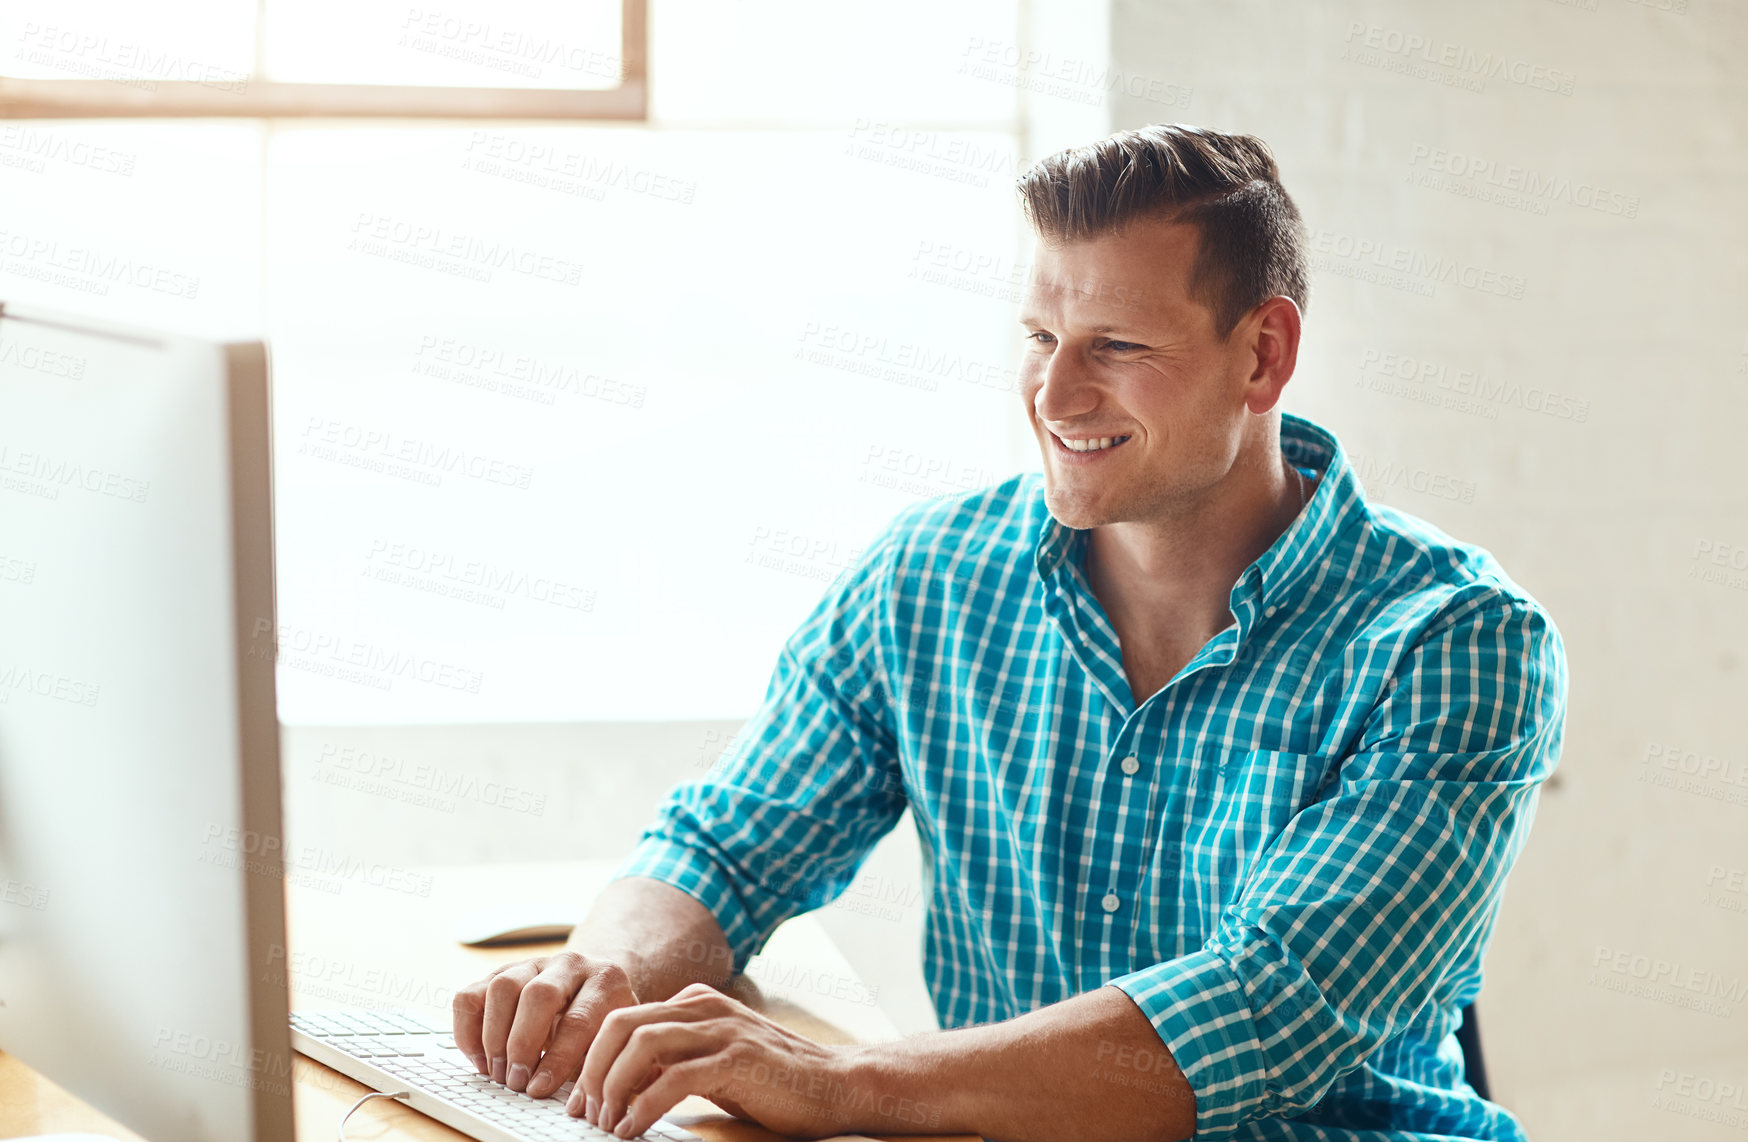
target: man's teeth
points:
(1092, 445)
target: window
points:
(574, 421)
(449, 59)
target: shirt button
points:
(1270, 613)
(1131, 766)
(1110, 902)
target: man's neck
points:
(1166, 584)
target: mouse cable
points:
(365, 1099)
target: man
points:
(1217, 768)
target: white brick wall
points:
(1645, 318)
(1612, 520)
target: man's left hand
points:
(648, 1057)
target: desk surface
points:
(368, 946)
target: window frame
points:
(273, 99)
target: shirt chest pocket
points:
(1237, 807)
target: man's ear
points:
(1272, 330)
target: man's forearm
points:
(1088, 1069)
(663, 938)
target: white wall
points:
(397, 799)
(573, 420)
(1633, 308)
(1632, 313)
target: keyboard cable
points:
(365, 1099)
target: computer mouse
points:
(498, 927)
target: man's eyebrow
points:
(1029, 319)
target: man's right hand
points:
(529, 1024)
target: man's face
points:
(1119, 354)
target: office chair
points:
(1474, 1067)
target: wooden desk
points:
(395, 947)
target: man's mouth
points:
(1090, 443)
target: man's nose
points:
(1065, 389)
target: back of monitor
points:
(141, 906)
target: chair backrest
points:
(1474, 1067)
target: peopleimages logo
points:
(1696, 764)
(33, 148)
(88, 269)
(428, 568)
(1415, 266)
(1405, 375)
(39, 360)
(56, 472)
(1666, 981)
(906, 363)
(46, 684)
(350, 659)
(433, 247)
(501, 48)
(1468, 63)
(378, 449)
(266, 854)
(1532, 184)
(917, 474)
(1700, 1096)
(96, 56)
(1377, 475)
(517, 374)
(374, 770)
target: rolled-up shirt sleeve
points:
(1348, 921)
(788, 814)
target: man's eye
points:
(1121, 346)
(1040, 336)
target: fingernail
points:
(623, 1130)
(540, 1085)
(518, 1077)
(608, 1116)
(498, 1069)
(574, 1105)
(591, 1110)
(479, 1063)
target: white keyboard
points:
(394, 1051)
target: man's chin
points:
(1076, 512)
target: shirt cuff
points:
(1198, 1005)
(694, 873)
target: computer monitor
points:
(142, 920)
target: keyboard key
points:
(411, 1051)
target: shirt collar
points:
(1277, 575)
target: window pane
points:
(136, 44)
(568, 44)
(577, 423)
(801, 62)
(145, 223)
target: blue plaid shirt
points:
(1290, 858)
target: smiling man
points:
(1218, 769)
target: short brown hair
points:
(1252, 239)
